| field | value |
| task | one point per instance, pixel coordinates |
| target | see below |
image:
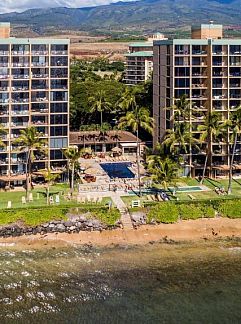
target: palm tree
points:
(138, 118)
(29, 142)
(50, 179)
(128, 100)
(234, 124)
(211, 128)
(181, 108)
(72, 154)
(163, 170)
(2, 133)
(99, 104)
(180, 138)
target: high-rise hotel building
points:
(34, 91)
(207, 69)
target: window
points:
(59, 107)
(58, 119)
(58, 131)
(56, 155)
(58, 142)
(59, 96)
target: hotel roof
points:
(140, 54)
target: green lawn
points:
(38, 198)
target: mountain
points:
(141, 15)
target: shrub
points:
(32, 216)
(164, 213)
(195, 211)
(108, 217)
(190, 211)
(208, 211)
(230, 208)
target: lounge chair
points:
(191, 197)
(159, 198)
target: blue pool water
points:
(118, 170)
(187, 189)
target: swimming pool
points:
(187, 189)
(118, 170)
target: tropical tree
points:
(30, 141)
(234, 124)
(72, 155)
(210, 129)
(50, 178)
(2, 133)
(180, 139)
(163, 170)
(181, 109)
(129, 98)
(136, 119)
(99, 104)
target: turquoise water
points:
(160, 283)
(187, 189)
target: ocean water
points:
(160, 283)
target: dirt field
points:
(111, 50)
(85, 46)
(82, 44)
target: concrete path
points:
(125, 215)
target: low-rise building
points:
(105, 142)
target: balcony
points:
(43, 99)
(5, 53)
(220, 97)
(4, 112)
(20, 100)
(20, 76)
(39, 122)
(39, 64)
(235, 74)
(59, 52)
(40, 76)
(20, 64)
(20, 53)
(40, 111)
(199, 52)
(4, 76)
(20, 89)
(19, 125)
(20, 112)
(38, 53)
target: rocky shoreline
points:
(74, 224)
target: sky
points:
(21, 5)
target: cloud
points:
(21, 5)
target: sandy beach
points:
(192, 230)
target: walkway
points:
(125, 215)
(118, 202)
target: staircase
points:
(125, 215)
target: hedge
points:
(36, 216)
(164, 213)
(171, 212)
(230, 209)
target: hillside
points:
(144, 15)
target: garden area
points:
(169, 212)
(36, 211)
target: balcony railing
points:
(59, 52)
